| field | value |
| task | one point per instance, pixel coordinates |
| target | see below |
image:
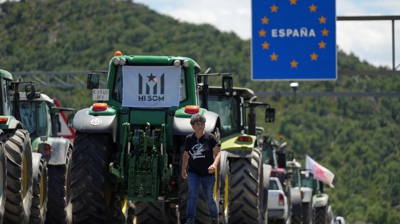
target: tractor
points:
(26, 171)
(40, 117)
(128, 144)
(244, 178)
(321, 210)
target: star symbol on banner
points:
(324, 32)
(322, 19)
(313, 8)
(294, 64)
(293, 2)
(152, 78)
(274, 57)
(262, 33)
(265, 45)
(274, 8)
(314, 56)
(322, 44)
(264, 20)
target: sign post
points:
(293, 40)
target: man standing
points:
(202, 154)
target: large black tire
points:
(19, 176)
(59, 204)
(3, 181)
(91, 195)
(40, 191)
(244, 183)
(130, 219)
(307, 212)
(149, 212)
(320, 215)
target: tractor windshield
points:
(227, 109)
(150, 86)
(34, 119)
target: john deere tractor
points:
(40, 117)
(244, 178)
(26, 170)
(128, 144)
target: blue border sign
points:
(293, 40)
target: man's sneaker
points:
(189, 221)
(214, 221)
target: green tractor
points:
(26, 171)
(321, 210)
(40, 117)
(128, 144)
(244, 177)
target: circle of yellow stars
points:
(274, 57)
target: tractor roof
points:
(6, 75)
(246, 93)
(43, 97)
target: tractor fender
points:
(307, 194)
(223, 167)
(182, 125)
(36, 157)
(320, 200)
(59, 150)
(84, 122)
(266, 175)
(14, 124)
(295, 200)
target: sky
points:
(369, 40)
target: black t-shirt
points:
(200, 152)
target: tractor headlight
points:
(116, 61)
(122, 61)
(177, 63)
(186, 63)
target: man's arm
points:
(185, 159)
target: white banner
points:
(151, 86)
(320, 173)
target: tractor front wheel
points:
(19, 176)
(91, 192)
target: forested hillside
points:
(357, 138)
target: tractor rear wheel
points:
(40, 190)
(320, 215)
(244, 183)
(19, 176)
(91, 194)
(149, 212)
(307, 212)
(59, 205)
(3, 179)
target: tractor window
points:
(227, 109)
(7, 104)
(28, 117)
(43, 116)
(117, 94)
(307, 182)
(183, 95)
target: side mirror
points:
(93, 81)
(30, 91)
(227, 84)
(269, 115)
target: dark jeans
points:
(207, 183)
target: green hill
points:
(357, 138)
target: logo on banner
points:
(153, 89)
